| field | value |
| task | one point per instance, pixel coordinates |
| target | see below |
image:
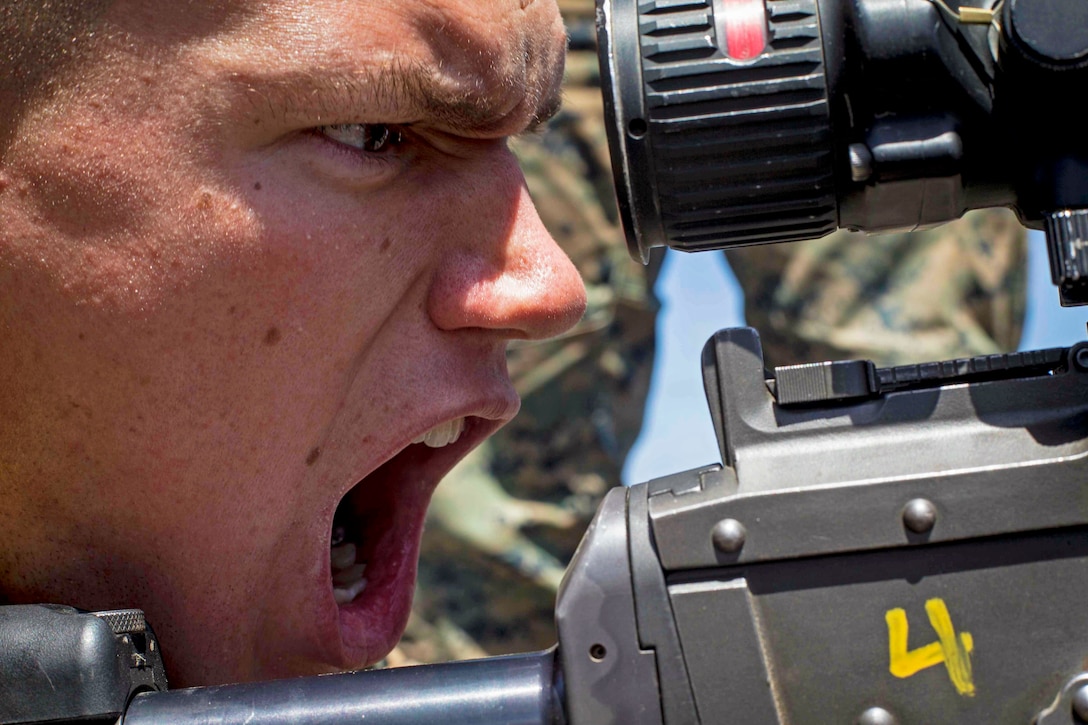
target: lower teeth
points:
(347, 574)
(347, 594)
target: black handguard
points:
(63, 665)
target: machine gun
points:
(877, 546)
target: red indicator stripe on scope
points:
(743, 25)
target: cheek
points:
(363, 253)
(113, 235)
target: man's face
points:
(248, 254)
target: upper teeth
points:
(442, 434)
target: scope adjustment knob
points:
(1067, 244)
(1053, 33)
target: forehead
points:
(492, 60)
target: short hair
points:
(39, 39)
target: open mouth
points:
(374, 541)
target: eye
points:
(370, 137)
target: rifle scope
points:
(737, 122)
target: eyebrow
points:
(408, 93)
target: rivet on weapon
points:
(728, 536)
(876, 716)
(919, 515)
(861, 161)
(1080, 703)
(1080, 359)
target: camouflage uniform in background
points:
(504, 523)
(953, 291)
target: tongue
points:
(342, 556)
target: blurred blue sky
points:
(699, 295)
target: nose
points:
(502, 270)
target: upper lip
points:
(487, 418)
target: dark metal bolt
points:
(1080, 359)
(1080, 703)
(861, 161)
(876, 716)
(728, 536)
(919, 515)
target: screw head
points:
(919, 515)
(728, 536)
(876, 716)
(1080, 358)
(861, 161)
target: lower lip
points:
(371, 624)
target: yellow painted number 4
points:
(954, 650)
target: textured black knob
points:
(1052, 32)
(1067, 242)
(711, 150)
